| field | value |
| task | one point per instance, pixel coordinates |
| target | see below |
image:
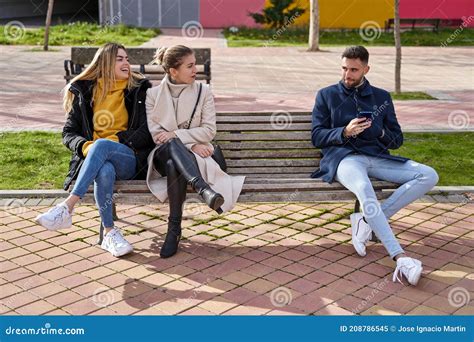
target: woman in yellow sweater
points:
(106, 129)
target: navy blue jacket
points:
(335, 107)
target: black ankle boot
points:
(213, 199)
(170, 246)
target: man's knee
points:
(364, 189)
(430, 175)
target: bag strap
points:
(195, 106)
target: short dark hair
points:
(358, 51)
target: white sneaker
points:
(408, 267)
(58, 217)
(361, 233)
(116, 244)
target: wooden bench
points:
(140, 59)
(277, 159)
(412, 22)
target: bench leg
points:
(114, 212)
(357, 206)
(101, 234)
(374, 238)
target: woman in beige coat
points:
(181, 118)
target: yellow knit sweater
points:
(110, 115)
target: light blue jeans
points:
(416, 179)
(106, 161)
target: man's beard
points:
(353, 83)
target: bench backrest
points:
(268, 144)
(140, 59)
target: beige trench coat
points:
(161, 116)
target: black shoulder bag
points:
(218, 156)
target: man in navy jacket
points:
(355, 125)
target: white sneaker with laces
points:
(361, 233)
(58, 217)
(408, 267)
(115, 243)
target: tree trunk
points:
(49, 14)
(314, 26)
(398, 49)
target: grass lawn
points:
(80, 33)
(299, 37)
(38, 160)
(412, 95)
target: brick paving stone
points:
(239, 278)
(37, 308)
(218, 305)
(380, 311)
(260, 286)
(441, 303)
(425, 310)
(398, 304)
(321, 277)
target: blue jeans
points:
(106, 161)
(416, 179)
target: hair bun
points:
(160, 55)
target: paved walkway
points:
(260, 259)
(192, 36)
(260, 79)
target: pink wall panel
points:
(225, 13)
(443, 9)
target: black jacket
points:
(79, 126)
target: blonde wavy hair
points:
(101, 67)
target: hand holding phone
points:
(365, 114)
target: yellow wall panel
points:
(347, 13)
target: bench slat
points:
(273, 170)
(295, 196)
(313, 154)
(256, 127)
(270, 145)
(271, 163)
(224, 118)
(225, 136)
(258, 187)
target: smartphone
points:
(365, 114)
